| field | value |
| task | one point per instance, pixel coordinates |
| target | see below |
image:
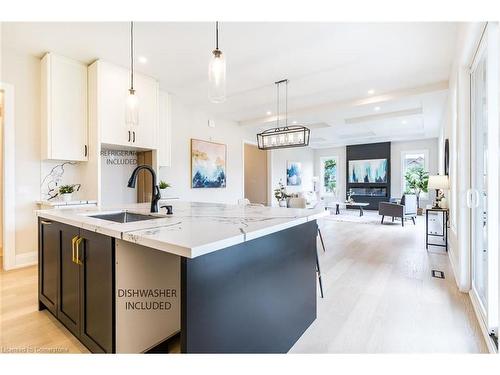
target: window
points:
(329, 178)
(413, 160)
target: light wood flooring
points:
(379, 297)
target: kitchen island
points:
(230, 279)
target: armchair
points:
(407, 209)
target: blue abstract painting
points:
(208, 164)
(368, 171)
(293, 173)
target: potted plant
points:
(66, 191)
(163, 188)
(281, 195)
(417, 180)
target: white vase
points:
(67, 197)
(163, 193)
(282, 203)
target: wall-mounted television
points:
(368, 171)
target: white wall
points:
(188, 123)
(279, 158)
(23, 72)
(429, 145)
(116, 168)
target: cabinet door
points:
(48, 254)
(146, 131)
(68, 310)
(165, 130)
(96, 253)
(64, 109)
(112, 89)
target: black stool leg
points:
(321, 238)
(319, 275)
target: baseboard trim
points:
(451, 257)
(25, 260)
(486, 335)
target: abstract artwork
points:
(208, 164)
(368, 171)
(293, 173)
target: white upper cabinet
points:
(64, 109)
(109, 101)
(146, 131)
(165, 131)
(108, 87)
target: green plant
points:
(417, 181)
(164, 185)
(67, 189)
(280, 192)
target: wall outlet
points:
(211, 123)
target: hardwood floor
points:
(379, 297)
(22, 327)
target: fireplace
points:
(368, 173)
(369, 192)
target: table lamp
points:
(438, 182)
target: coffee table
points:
(347, 205)
(358, 205)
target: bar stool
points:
(301, 203)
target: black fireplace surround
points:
(370, 192)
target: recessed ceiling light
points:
(404, 122)
(142, 59)
(371, 92)
(377, 108)
(268, 113)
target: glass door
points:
(484, 180)
(479, 133)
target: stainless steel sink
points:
(124, 217)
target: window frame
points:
(404, 153)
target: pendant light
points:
(217, 73)
(283, 136)
(132, 105)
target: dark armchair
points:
(406, 210)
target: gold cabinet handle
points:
(45, 222)
(77, 245)
(73, 241)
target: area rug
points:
(369, 217)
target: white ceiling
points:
(331, 67)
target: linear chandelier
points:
(283, 136)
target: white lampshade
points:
(439, 182)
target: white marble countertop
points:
(57, 202)
(194, 228)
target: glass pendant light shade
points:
(217, 77)
(132, 109)
(217, 72)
